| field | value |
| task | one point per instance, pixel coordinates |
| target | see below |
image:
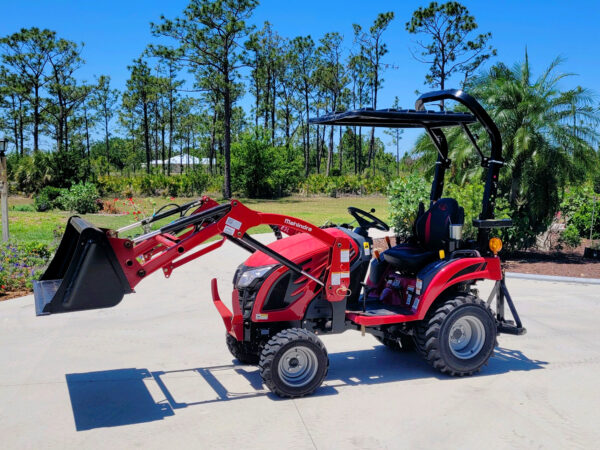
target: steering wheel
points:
(367, 220)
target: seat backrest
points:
(433, 226)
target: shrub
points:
(214, 183)
(82, 198)
(260, 170)
(470, 196)
(316, 184)
(377, 184)
(194, 182)
(578, 205)
(111, 185)
(31, 173)
(523, 234)
(405, 193)
(21, 264)
(570, 236)
(47, 198)
(35, 249)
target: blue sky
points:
(116, 32)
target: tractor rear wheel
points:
(402, 343)
(459, 337)
(294, 363)
(241, 350)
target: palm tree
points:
(539, 122)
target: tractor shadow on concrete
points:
(128, 396)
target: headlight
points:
(246, 278)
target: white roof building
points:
(183, 160)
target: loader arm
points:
(93, 258)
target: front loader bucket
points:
(84, 273)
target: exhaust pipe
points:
(84, 273)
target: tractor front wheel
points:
(459, 338)
(293, 363)
(241, 350)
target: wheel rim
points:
(466, 337)
(298, 366)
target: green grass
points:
(47, 227)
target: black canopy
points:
(433, 122)
(395, 118)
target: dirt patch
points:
(570, 263)
(14, 294)
(565, 264)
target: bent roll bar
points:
(474, 107)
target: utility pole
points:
(4, 189)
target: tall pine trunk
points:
(329, 153)
(170, 130)
(360, 150)
(15, 127)
(106, 139)
(227, 137)
(87, 144)
(307, 149)
(341, 150)
(213, 131)
(355, 145)
(146, 136)
(156, 119)
(66, 133)
(318, 155)
(21, 128)
(36, 116)
(273, 107)
(162, 145)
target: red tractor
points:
(419, 294)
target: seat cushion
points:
(408, 257)
(432, 227)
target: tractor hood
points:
(299, 248)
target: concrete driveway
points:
(154, 372)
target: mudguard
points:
(439, 276)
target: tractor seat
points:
(431, 235)
(408, 257)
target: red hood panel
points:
(296, 248)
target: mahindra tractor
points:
(417, 295)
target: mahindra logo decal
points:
(294, 224)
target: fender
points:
(439, 276)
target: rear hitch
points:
(500, 292)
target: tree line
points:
(45, 105)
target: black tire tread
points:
(274, 345)
(240, 351)
(427, 333)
